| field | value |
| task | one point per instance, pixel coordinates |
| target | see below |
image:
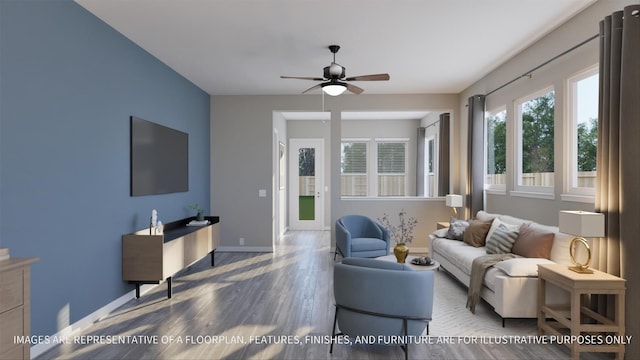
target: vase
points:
(200, 216)
(401, 251)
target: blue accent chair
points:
(381, 298)
(359, 236)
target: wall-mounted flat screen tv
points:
(159, 159)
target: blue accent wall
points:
(68, 84)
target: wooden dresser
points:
(15, 311)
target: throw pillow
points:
(457, 229)
(501, 240)
(497, 222)
(533, 243)
(476, 233)
(521, 266)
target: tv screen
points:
(159, 159)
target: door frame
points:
(293, 189)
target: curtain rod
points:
(529, 73)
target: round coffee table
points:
(407, 261)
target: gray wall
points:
(242, 161)
(578, 29)
(69, 84)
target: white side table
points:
(392, 258)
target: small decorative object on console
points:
(199, 211)
(422, 261)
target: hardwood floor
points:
(267, 306)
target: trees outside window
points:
(536, 141)
(496, 151)
(582, 133)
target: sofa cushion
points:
(522, 266)
(476, 233)
(367, 244)
(457, 253)
(533, 243)
(457, 229)
(497, 222)
(501, 240)
(485, 216)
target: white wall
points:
(578, 29)
(242, 161)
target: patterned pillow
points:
(456, 229)
(501, 240)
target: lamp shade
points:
(453, 200)
(334, 89)
(581, 223)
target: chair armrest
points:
(343, 239)
(385, 234)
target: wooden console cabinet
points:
(15, 309)
(150, 259)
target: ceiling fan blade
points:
(302, 78)
(354, 89)
(374, 77)
(312, 88)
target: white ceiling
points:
(241, 47)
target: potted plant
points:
(199, 211)
(401, 234)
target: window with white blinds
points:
(381, 171)
(353, 168)
(391, 168)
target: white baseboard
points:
(261, 249)
(40, 348)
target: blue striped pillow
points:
(501, 241)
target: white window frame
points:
(374, 180)
(367, 142)
(571, 191)
(543, 192)
(497, 188)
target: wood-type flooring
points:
(280, 306)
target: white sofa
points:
(511, 286)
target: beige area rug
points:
(452, 318)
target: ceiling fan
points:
(335, 80)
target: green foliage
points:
(196, 208)
(587, 145)
(306, 161)
(537, 134)
(354, 158)
(537, 139)
(497, 138)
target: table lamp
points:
(581, 224)
(453, 201)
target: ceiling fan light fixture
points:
(334, 88)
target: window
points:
(535, 157)
(496, 151)
(353, 168)
(583, 132)
(391, 168)
(389, 177)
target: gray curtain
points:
(475, 158)
(618, 170)
(443, 161)
(420, 170)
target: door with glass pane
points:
(306, 196)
